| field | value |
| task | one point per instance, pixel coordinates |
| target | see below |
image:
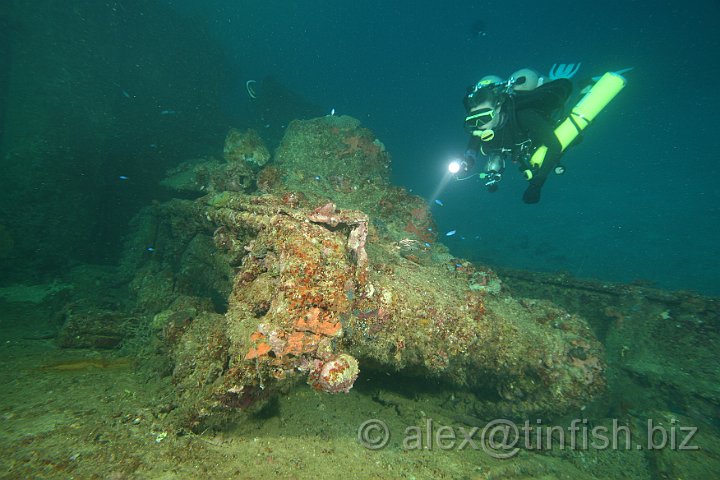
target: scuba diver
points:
(509, 121)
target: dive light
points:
(455, 166)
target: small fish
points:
(479, 29)
(150, 249)
(332, 112)
(451, 233)
(123, 177)
(168, 112)
(429, 229)
(317, 177)
(123, 91)
(439, 202)
(427, 245)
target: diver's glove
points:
(469, 159)
(564, 70)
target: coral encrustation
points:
(335, 375)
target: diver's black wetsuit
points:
(529, 116)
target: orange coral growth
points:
(359, 143)
(294, 344)
(312, 322)
(420, 213)
(255, 352)
(302, 342)
(311, 342)
(421, 233)
(328, 328)
(257, 336)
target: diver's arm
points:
(541, 132)
(471, 152)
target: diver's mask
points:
(481, 117)
(475, 122)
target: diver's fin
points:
(563, 70)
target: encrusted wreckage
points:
(329, 271)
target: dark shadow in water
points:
(276, 106)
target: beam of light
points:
(449, 175)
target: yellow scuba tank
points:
(581, 115)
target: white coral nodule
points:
(335, 375)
